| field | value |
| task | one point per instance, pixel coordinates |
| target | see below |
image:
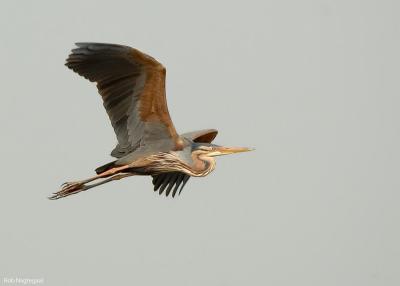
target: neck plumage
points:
(202, 165)
(208, 165)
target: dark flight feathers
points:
(169, 182)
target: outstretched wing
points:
(201, 136)
(166, 181)
(132, 86)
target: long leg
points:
(112, 178)
(99, 176)
(79, 186)
(70, 186)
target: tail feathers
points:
(105, 167)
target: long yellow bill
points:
(221, 150)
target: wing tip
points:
(170, 183)
(100, 46)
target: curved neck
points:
(200, 166)
(203, 165)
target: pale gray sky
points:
(312, 85)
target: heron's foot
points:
(70, 185)
(67, 189)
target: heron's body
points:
(132, 86)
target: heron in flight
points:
(132, 86)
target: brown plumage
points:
(132, 86)
(126, 77)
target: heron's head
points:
(212, 150)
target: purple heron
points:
(132, 86)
